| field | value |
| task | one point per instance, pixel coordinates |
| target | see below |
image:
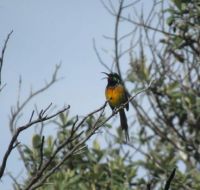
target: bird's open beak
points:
(107, 75)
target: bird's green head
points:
(113, 79)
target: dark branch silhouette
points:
(169, 180)
(2, 57)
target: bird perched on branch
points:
(116, 95)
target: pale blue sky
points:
(45, 33)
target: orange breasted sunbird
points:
(116, 95)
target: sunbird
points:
(116, 95)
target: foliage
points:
(90, 168)
(170, 128)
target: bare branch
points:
(2, 87)
(131, 4)
(148, 186)
(3, 52)
(116, 37)
(18, 132)
(17, 112)
(15, 181)
(41, 152)
(110, 10)
(169, 180)
(14, 114)
(98, 56)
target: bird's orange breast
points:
(115, 95)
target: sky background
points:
(46, 33)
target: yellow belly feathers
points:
(115, 95)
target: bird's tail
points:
(124, 124)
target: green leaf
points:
(63, 118)
(170, 20)
(172, 87)
(27, 150)
(96, 145)
(36, 141)
(108, 125)
(177, 3)
(177, 42)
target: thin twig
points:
(110, 10)
(116, 37)
(98, 56)
(15, 181)
(41, 152)
(131, 4)
(148, 186)
(169, 180)
(3, 52)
